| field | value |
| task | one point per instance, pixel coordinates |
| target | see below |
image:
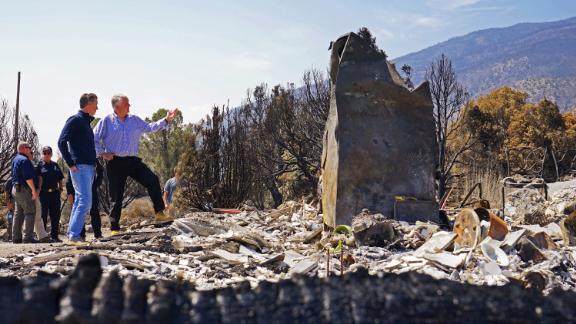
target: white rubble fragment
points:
(494, 253)
(231, 257)
(446, 258)
(438, 242)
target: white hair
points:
(116, 98)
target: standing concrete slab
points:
(379, 140)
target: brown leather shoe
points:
(161, 217)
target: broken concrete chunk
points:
(251, 253)
(273, 259)
(292, 257)
(467, 229)
(426, 230)
(434, 272)
(196, 227)
(446, 259)
(372, 230)
(543, 241)
(554, 230)
(529, 252)
(512, 239)
(438, 242)
(230, 257)
(305, 266)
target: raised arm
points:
(146, 127)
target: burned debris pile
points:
(88, 296)
(212, 250)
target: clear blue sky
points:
(194, 54)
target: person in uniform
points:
(50, 177)
(24, 192)
(9, 199)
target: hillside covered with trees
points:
(537, 58)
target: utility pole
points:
(17, 115)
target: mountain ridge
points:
(537, 58)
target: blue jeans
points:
(82, 182)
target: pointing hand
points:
(171, 114)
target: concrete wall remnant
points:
(379, 140)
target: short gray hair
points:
(23, 144)
(116, 98)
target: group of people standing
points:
(116, 139)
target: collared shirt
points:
(50, 173)
(122, 138)
(170, 187)
(76, 142)
(22, 170)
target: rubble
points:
(526, 206)
(372, 229)
(529, 252)
(212, 250)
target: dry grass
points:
(137, 211)
(490, 182)
(3, 218)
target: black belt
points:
(125, 157)
(50, 190)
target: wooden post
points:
(16, 117)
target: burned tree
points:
(266, 150)
(26, 133)
(215, 168)
(287, 125)
(448, 96)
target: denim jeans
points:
(82, 182)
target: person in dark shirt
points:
(9, 199)
(95, 209)
(50, 177)
(76, 144)
(25, 194)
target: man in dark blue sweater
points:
(76, 144)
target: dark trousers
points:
(94, 215)
(51, 206)
(119, 169)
